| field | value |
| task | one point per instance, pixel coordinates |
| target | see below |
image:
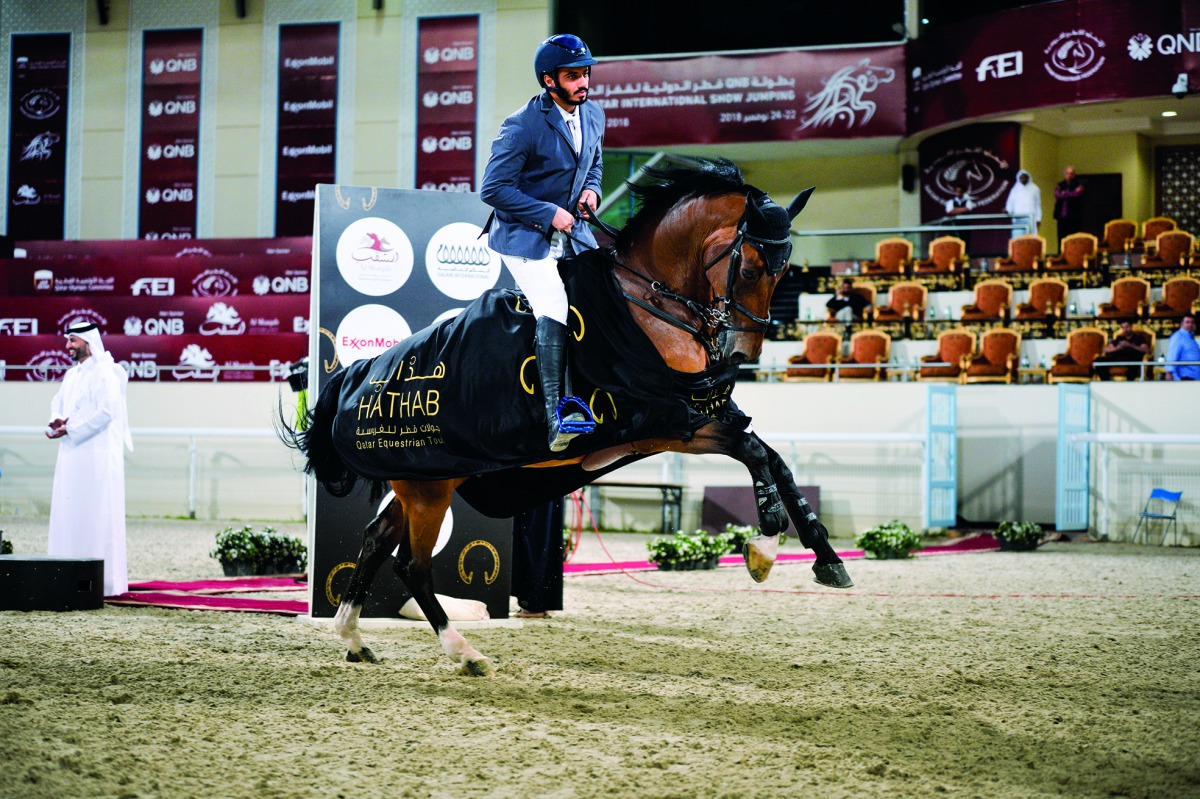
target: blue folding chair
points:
(1165, 499)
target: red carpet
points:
(210, 594)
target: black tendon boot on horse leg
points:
(828, 569)
(551, 362)
(379, 539)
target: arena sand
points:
(1071, 671)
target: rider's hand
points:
(563, 220)
(588, 201)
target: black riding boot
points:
(551, 360)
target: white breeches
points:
(541, 285)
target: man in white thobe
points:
(89, 419)
(1025, 199)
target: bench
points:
(672, 500)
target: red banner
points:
(171, 61)
(138, 248)
(156, 276)
(37, 140)
(1051, 54)
(136, 316)
(163, 358)
(307, 136)
(802, 94)
(447, 89)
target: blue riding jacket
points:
(534, 169)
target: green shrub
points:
(697, 547)
(1020, 534)
(5, 547)
(891, 540)
(268, 552)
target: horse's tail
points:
(314, 440)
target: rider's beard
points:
(565, 96)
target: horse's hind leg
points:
(381, 536)
(425, 505)
(828, 568)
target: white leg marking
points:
(345, 624)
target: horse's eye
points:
(750, 274)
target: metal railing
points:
(276, 372)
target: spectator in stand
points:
(1025, 200)
(1126, 345)
(1182, 346)
(847, 305)
(1068, 205)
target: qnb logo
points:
(464, 52)
(434, 99)
(1001, 65)
(145, 370)
(464, 185)
(1142, 46)
(433, 144)
(153, 326)
(172, 65)
(154, 235)
(18, 326)
(1074, 55)
(157, 108)
(460, 255)
(154, 287)
(290, 284)
(155, 196)
(155, 151)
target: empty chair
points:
(1154, 226)
(1025, 254)
(1173, 248)
(1119, 235)
(1157, 504)
(993, 299)
(949, 363)
(892, 256)
(947, 255)
(905, 301)
(1076, 365)
(998, 359)
(1078, 254)
(1130, 296)
(867, 347)
(1179, 297)
(820, 347)
(1047, 298)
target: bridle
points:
(716, 317)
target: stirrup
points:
(569, 423)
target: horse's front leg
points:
(828, 568)
(425, 505)
(380, 537)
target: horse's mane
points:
(659, 189)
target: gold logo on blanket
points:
(329, 595)
(599, 398)
(488, 577)
(711, 401)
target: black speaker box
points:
(908, 177)
(39, 582)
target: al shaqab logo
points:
(1074, 55)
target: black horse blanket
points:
(461, 398)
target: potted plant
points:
(1019, 536)
(684, 551)
(246, 552)
(891, 540)
(739, 534)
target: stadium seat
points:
(820, 347)
(892, 256)
(998, 359)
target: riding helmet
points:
(559, 51)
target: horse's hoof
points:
(365, 655)
(832, 574)
(480, 667)
(759, 553)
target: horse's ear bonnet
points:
(768, 228)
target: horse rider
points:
(543, 176)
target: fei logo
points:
(154, 286)
(19, 326)
(1001, 65)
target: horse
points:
(696, 267)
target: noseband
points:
(716, 316)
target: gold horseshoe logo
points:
(335, 600)
(582, 327)
(525, 384)
(612, 403)
(330, 366)
(345, 202)
(489, 577)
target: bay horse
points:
(696, 267)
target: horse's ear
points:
(797, 205)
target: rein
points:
(714, 317)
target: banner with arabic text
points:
(191, 248)
(37, 138)
(784, 96)
(170, 149)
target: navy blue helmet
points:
(559, 51)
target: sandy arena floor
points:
(1070, 671)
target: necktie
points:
(576, 137)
